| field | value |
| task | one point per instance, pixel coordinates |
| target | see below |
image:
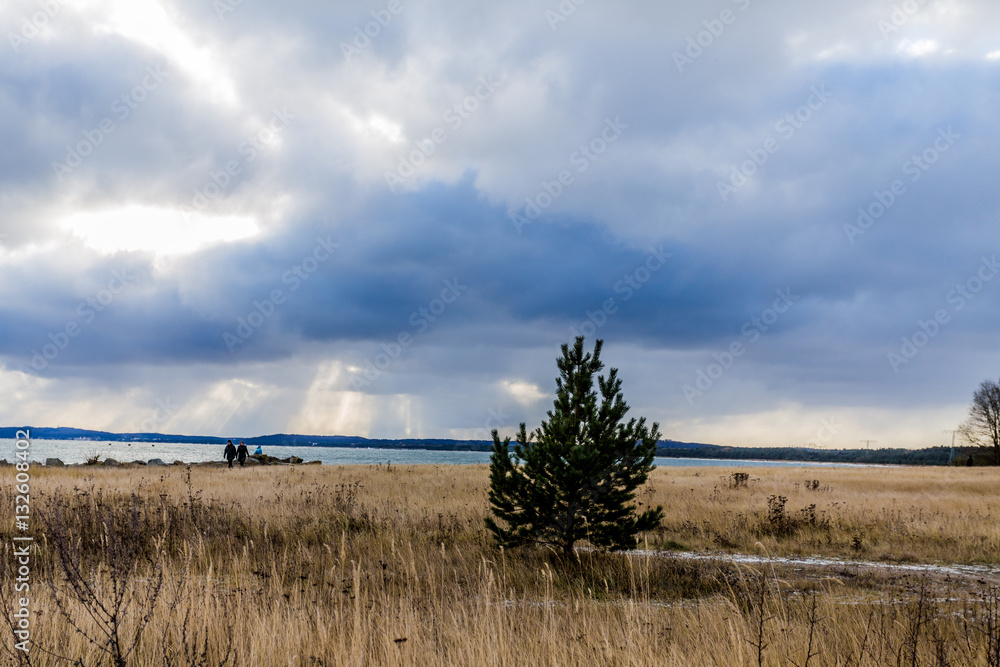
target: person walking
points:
(229, 452)
(241, 453)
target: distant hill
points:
(66, 433)
(669, 448)
(282, 439)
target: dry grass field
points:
(325, 565)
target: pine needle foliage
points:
(575, 477)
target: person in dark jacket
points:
(229, 452)
(241, 453)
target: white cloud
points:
(157, 230)
(356, 120)
(327, 408)
(525, 393)
(148, 22)
(834, 427)
(224, 405)
(918, 49)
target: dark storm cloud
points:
(806, 151)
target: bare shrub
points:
(113, 571)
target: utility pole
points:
(868, 443)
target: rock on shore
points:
(253, 460)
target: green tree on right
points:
(575, 477)
(982, 428)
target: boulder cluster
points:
(253, 460)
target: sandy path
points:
(968, 574)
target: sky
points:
(384, 218)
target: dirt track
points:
(953, 576)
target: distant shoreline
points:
(934, 456)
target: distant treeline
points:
(668, 448)
(931, 456)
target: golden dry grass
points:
(902, 513)
(329, 565)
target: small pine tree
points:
(575, 477)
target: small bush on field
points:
(814, 485)
(779, 523)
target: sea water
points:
(79, 451)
